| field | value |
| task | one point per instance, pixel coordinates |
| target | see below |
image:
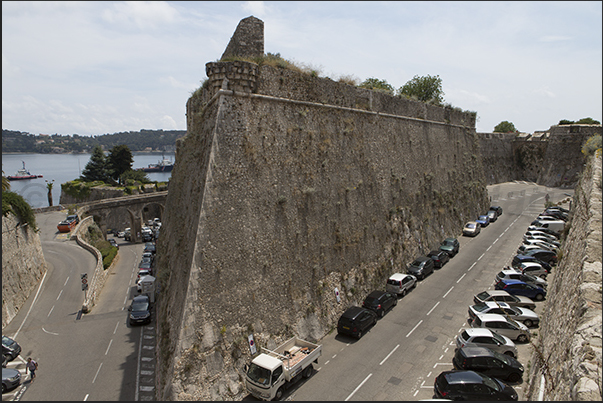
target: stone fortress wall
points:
(286, 188)
(23, 265)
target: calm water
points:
(63, 168)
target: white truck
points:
(272, 372)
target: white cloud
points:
(143, 14)
(256, 8)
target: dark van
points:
(488, 362)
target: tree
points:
(505, 127)
(588, 121)
(377, 85)
(96, 169)
(135, 175)
(119, 160)
(426, 89)
(5, 183)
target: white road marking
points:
(413, 329)
(359, 386)
(395, 348)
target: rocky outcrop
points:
(566, 363)
(23, 265)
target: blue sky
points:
(93, 68)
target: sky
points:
(94, 68)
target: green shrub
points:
(16, 204)
(591, 145)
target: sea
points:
(61, 168)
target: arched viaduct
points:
(134, 205)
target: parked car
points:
(559, 208)
(149, 255)
(557, 214)
(541, 243)
(380, 302)
(11, 378)
(439, 257)
(502, 325)
(518, 259)
(516, 287)
(488, 362)
(10, 348)
(421, 267)
(523, 248)
(534, 269)
(543, 217)
(400, 284)
(545, 230)
(113, 242)
(472, 228)
(142, 273)
(471, 385)
(450, 246)
(492, 215)
(524, 315)
(140, 310)
(556, 226)
(120, 234)
(150, 247)
(545, 255)
(540, 235)
(483, 220)
(486, 338)
(526, 277)
(355, 321)
(543, 237)
(498, 209)
(503, 296)
(145, 265)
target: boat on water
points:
(22, 173)
(164, 165)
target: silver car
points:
(400, 283)
(11, 378)
(503, 296)
(486, 338)
(525, 315)
(516, 274)
(502, 325)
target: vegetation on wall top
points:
(16, 204)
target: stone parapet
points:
(236, 76)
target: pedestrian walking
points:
(32, 366)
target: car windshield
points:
(258, 374)
(140, 307)
(515, 310)
(417, 263)
(7, 341)
(483, 296)
(480, 307)
(370, 301)
(489, 382)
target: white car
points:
(400, 283)
(525, 315)
(533, 268)
(537, 234)
(543, 239)
(503, 325)
(486, 338)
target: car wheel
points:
(510, 354)
(3, 388)
(543, 276)
(522, 338)
(359, 334)
(539, 297)
(514, 377)
(395, 303)
(382, 313)
(307, 372)
(279, 394)
(528, 323)
(403, 292)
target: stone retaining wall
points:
(566, 363)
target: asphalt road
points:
(95, 356)
(400, 357)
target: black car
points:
(544, 255)
(10, 348)
(149, 247)
(450, 246)
(421, 267)
(380, 302)
(498, 210)
(439, 257)
(519, 259)
(355, 321)
(140, 310)
(488, 362)
(471, 385)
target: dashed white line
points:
(51, 309)
(395, 348)
(109, 346)
(66, 282)
(59, 296)
(457, 281)
(358, 387)
(416, 326)
(116, 328)
(469, 269)
(99, 367)
(434, 307)
(448, 292)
